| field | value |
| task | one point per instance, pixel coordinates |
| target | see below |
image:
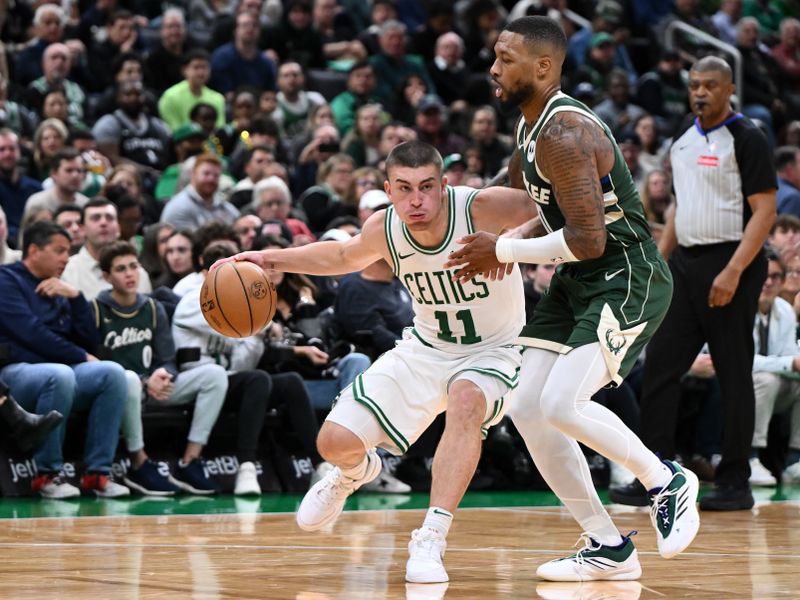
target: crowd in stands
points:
(141, 141)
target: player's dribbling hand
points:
(477, 257)
(253, 256)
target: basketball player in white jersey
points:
(458, 356)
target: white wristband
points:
(548, 249)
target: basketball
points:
(237, 299)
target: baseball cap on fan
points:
(453, 160)
(374, 200)
(188, 131)
(610, 11)
(335, 235)
(431, 102)
(602, 38)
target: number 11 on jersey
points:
(446, 334)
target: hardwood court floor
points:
(492, 553)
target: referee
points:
(724, 183)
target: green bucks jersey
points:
(626, 224)
(127, 337)
(450, 315)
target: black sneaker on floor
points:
(632, 494)
(148, 481)
(727, 497)
(192, 479)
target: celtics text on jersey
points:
(450, 315)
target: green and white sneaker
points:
(673, 511)
(595, 562)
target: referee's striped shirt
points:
(713, 172)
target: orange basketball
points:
(237, 299)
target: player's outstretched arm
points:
(322, 258)
(501, 209)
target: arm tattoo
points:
(566, 150)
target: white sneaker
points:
(114, 490)
(760, 475)
(322, 469)
(103, 485)
(426, 551)
(791, 474)
(595, 562)
(386, 483)
(673, 511)
(54, 487)
(247, 481)
(324, 502)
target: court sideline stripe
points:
(350, 548)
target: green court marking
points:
(26, 508)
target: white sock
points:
(656, 476)
(438, 520)
(602, 529)
(359, 471)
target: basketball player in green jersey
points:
(609, 294)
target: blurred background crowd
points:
(164, 135)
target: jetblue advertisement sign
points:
(284, 472)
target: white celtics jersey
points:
(450, 315)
